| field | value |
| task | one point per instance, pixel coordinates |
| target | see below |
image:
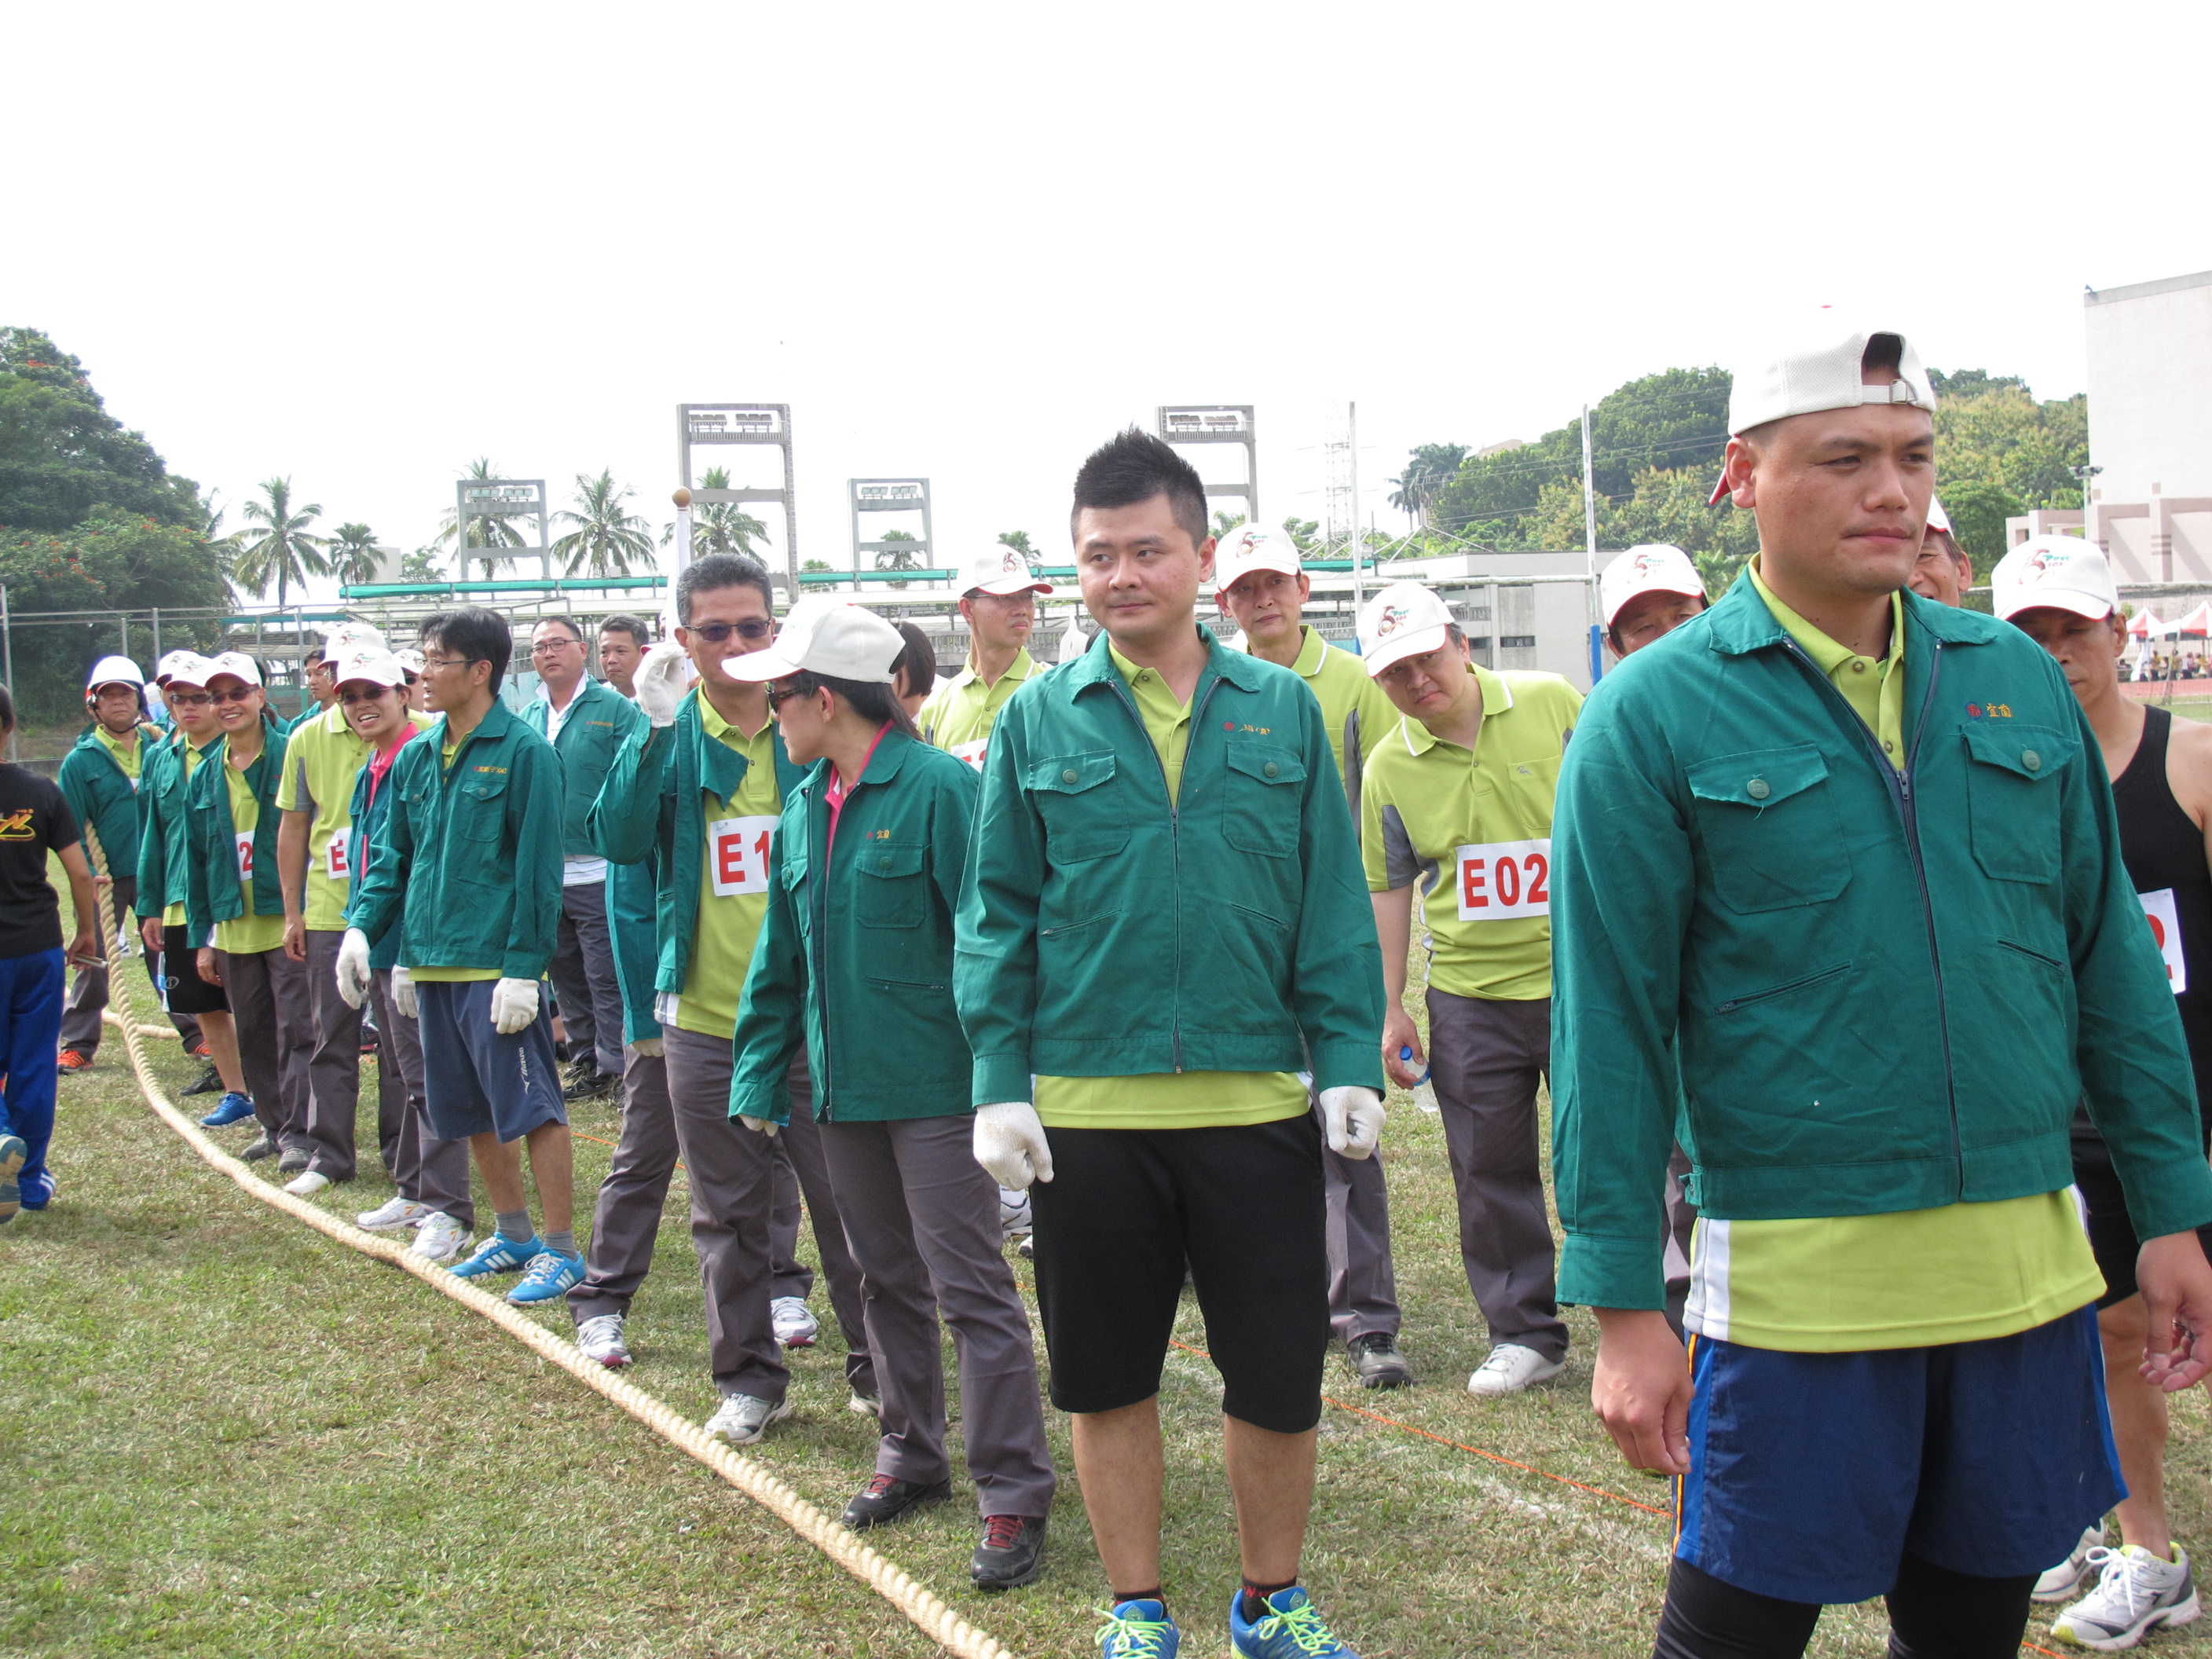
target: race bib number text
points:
(244, 839)
(1505, 880)
(737, 851)
(2166, 928)
(334, 857)
(972, 752)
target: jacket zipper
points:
(1900, 794)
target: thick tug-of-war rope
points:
(919, 1604)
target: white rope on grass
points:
(921, 1606)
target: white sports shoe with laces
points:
(794, 1322)
(601, 1338)
(439, 1239)
(2063, 1581)
(2136, 1593)
(1512, 1368)
(391, 1215)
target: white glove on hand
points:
(1351, 1120)
(352, 967)
(760, 1125)
(659, 681)
(513, 1005)
(1010, 1143)
(650, 1046)
(403, 993)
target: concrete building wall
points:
(2150, 388)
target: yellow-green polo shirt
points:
(322, 757)
(248, 934)
(1166, 1100)
(1913, 1279)
(1342, 684)
(1475, 829)
(733, 876)
(448, 747)
(959, 715)
(173, 914)
(125, 749)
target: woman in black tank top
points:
(2164, 854)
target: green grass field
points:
(224, 1435)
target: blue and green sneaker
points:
(549, 1276)
(1290, 1629)
(1139, 1630)
(500, 1255)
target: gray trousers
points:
(268, 993)
(334, 1065)
(1485, 1058)
(426, 1169)
(81, 1026)
(923, 1218)
(1363, 1288)
(583, 974)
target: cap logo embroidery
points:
(1393, 619)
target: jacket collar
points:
(1740, 621)
(1095, 665)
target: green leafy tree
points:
(283, 549)
(487, 532)
(721, 527)
(353, 554)
(1224, 521)
(606, 538)
(421, 566)
(1428, 470)
(63, 455)
(1978, 512)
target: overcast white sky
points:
(361, 246)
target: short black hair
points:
(918, 662)
(566, 621)
(474, 635)
(315, 653)
(623, 623)
(721, 570)
(1134, 466)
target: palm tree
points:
(353, 554)
(605, 538)
(483, 532)
(720, 526)
(900, 559)
(1428, 470)
(282, 550)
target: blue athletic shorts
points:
(1812, 1475)
(476, 1081)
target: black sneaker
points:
(1376, 1357)
(592, 1084)
(211, 1080)
(261, 1148)
(293, 1161)
(1012, 1553)
(887, 1497)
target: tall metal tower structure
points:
(743, 423)
(502, 499)
(907, 495)
(1219, 424)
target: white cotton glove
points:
(1010, 1143)
(760, 1125)
(513, 1005)
(352, 967)
(403, 993)
(650, 1046)
(1352, 1119)
(659, 681)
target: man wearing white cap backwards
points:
(1260, 585)
(1838, 883)
(1458, 801)
(998, 601)
(2059, 590)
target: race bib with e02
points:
(2166, 928)
(737, 851)
(1505, 880)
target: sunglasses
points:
(753, 627)
(183, 700)
(350, 695)
(780, 692)
(238, 695)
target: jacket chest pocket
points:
(1262, 798)
(890, 889)
(1773, 836)
(1084, 817)
(480, 808)
(2012, 798)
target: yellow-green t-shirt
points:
(125, 749)
(322, 757)
(448, 748)
(1166, 1100)
(1913, 1279)
(959, 715)
(1473, 828)
(173, 915)
(1343, 687)
(249, 934)
(733, 877)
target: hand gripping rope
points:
(915, 1601)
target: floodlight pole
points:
(1590, 549)
(858, 501)
(743, 423)
(1218, 423)
(1352, 440)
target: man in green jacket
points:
(1165, 814)
(585, 722)
(1838, 882)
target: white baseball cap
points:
(114, 670)
(2063, 572)
(352, 636)
(1815, 367)
(1001, 570)
(410, 658)
(1649, 567)
(1937, 518)
(1402, 620)
(1252, 547)
(825, 635)
(166, 667)
(376, 665)
(187, 668)
(237, 665)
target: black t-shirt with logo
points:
(34, 820)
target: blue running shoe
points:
(549, 1279)
(1139, 1630)
(233, 1107)
(498, 1255)
(13, 1151)
(1290, 1629)
(38, 1190)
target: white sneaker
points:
(865, 1405)
(439, 1239)
(391, 1215)
(600, 1338)
(745, 1418)
(1013, 1212)
(2136, 1593)
(2063, 1581)
(307, 1185)
(793, 1323)
(1512, 1368)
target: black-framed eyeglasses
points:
(546, 647)
(238, 695)
(752, 628)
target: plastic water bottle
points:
(1425, 1094)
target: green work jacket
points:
(1106, 931)
(855, 955)
(100, 795)
(650, 804)
(164, 848)
(600, 718)
(212, 891)
(1886, 988)
(468, 860)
